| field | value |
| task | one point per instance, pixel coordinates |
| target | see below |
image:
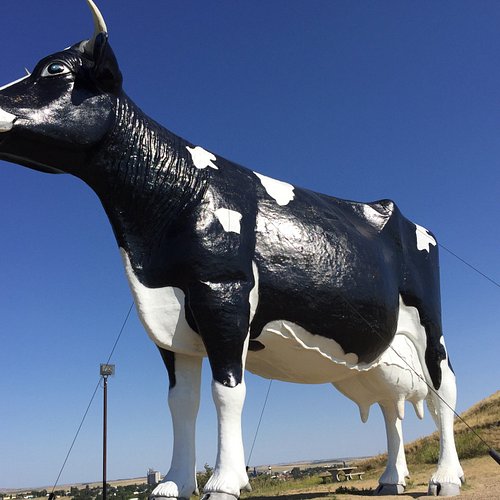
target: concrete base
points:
(443, 490)
(389, 489)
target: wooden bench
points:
(351, 474)
(340, 472)
(326, 477)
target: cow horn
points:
(99, 27)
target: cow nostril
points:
(6, 120)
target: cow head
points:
(53, 119)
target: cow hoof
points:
(389, 489)
(443, 490)
(216, 495)
(157, 497)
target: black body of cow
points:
(334, 267)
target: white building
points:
(153, 477)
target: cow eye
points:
(55, 69)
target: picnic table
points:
(342, 472)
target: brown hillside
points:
(483, 417)
(481, 472)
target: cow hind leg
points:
(392, 481)
(183, 400)
(447, 479)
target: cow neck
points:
(145, 180)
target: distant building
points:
(153, 477)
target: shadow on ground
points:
(296, 496)
(325, 494)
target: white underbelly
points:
(292, 354)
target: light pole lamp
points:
(106, 370)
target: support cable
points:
(484, 275)
(463, 261)
(260, 420)
(492, 452)
(90, 403)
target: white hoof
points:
(169, 490)
(389, 489)
(218, 496)
(443, 489)
(158, 497)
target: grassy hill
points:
(483, 481)
(483, 417)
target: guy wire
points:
(90, 402)
(463, 261)
(416, 373)
(260, 420)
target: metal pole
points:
(104, 436)
(105, 371)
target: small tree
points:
(203, 477)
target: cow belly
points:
(161, 311)
(292, 354)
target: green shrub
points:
(352, 490)
(427, 453)
(469, 446)
(203, 477)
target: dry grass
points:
(482, 483)
(483, 417)
(481, 472)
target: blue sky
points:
(360, 100)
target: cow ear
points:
(107, 74)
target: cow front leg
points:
(229, 476)
(448, 478)
(183, 401)
(392, 481)
(221, 312)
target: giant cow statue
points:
(250, 271)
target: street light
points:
(105, 371)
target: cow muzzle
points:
(6, 121)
